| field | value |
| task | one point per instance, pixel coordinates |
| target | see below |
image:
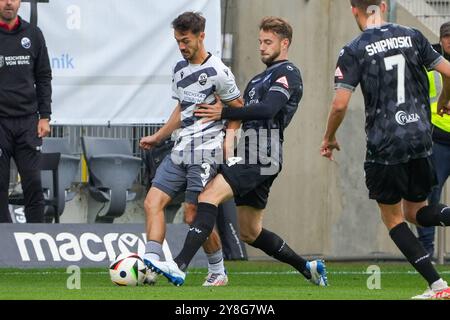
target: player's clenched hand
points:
(148, 142)
(327, 147)
(209, 112)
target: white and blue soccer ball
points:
(128, 269)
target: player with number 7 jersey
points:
(389, 64)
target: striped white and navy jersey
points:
(193, 84)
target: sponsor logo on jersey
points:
(283, 80)
(193, 97)
(202, 79)
(26, 43)
(403, 118)
(2, 61)
(339, 73)
(16, 60)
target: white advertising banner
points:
(112, 59)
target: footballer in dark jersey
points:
(389, 61)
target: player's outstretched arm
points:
(166, 130)
(335, 118)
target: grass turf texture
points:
(248, 281)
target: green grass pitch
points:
(248, 281)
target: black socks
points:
(276, 247)
(413, 250)
(199, 231)
(434, 215)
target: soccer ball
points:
(128, 269)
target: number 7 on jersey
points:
(399, 61)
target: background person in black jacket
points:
(25, 98)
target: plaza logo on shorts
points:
(202, 79)
(2, 61)
(403, 118)
(26, 43)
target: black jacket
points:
(25, 72)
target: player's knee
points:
(190, 210)
(410, 216)
(152, 206)
(209, 195)
(248, 235)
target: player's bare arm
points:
(335, 118)
(171, 125)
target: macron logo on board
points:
(69, 247)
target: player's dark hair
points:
(364, 4)
(277, 25)
(189, 21)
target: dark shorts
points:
(250, 187)
(412, 181)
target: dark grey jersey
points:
(281, 77)
(390, 63)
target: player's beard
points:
(190, 54)
(269, 59)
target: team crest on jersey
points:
(2, 61)
(26, 43)
(202, 79)
(283, 80)
(338, 74)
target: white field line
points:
(254, 273)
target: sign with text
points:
(112, 60)
(85, 245)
